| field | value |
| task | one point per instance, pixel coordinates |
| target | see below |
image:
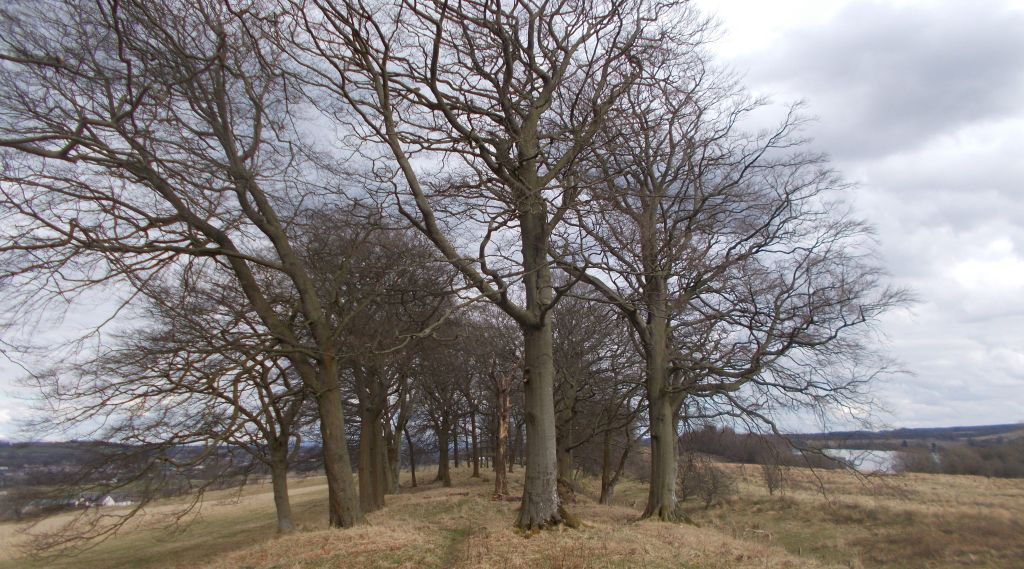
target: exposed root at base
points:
(564, 518)
(672, 518)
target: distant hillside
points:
(980, 434)
(48, 453)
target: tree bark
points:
(661, 499)
(279, 480)
(341, 491)
(610, 478)
(501, 444)
(607, 489)
(565, 464)
(476, 444)
(455, 442)
(564, 436)
(444, 474)
(540, 506)
(372, 470)
(392, 457)
(412, 456)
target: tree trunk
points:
(386, 478)
(455, 442)
(341, 491)
(661, 499)
(540, 506)
(607, 489)
(372, 471)
(565, 464)
(501, 444)
(444, 475)
(610, 478)
(412, 456)
(476, 445)
(565, 415)
(393, 457)
(279, 480)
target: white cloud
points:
(922, 105)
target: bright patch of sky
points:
(921, 105)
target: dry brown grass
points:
(917, 521)
(913, 521)
(461, 527)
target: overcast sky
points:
(921, 104)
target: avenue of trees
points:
(412, 232)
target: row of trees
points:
(1003, 460)
(408, 212)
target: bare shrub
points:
(701, 478)
(772, 474)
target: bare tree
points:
(204, 352)
(728, 253)
(383, 288)
(595, 376)
(483, 108)
(136, 134)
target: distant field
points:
(913, 521)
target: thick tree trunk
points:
(372, 470)
(565, 464)
(476, 445)
(540, 506)
(412, 456)
(661, 499)
(501, 443)
(444, 474)
(341, 491)
(279, 480)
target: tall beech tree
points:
(483, 109)
(136, 134)
(729, 254)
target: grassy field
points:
(913, 521)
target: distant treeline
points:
(1003, 460)
(930, 433)
(752, 448)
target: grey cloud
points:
(884, 78)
